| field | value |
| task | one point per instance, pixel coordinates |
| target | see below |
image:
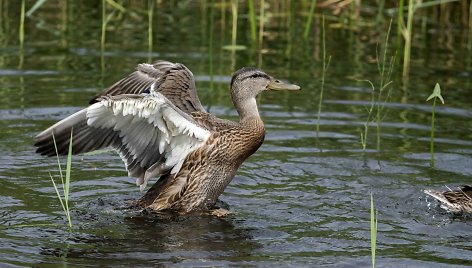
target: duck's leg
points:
(220, 212)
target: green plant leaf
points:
(436, 93)
(116, 5)
(373, 229)
(57, 192)
(36, 5)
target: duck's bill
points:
(279, 85)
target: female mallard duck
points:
(459, 200)
(155, 121)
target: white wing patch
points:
(154, 134)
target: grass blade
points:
(309, 19)
(36, 5)
(373, 229)
(252, 20)
(57, 155)
(21, 36)
(57, 192)
(67, 182)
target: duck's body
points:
(459, 200)
(153, 118)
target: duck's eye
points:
(277, 81)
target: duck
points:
(458, 200)
(155, 121)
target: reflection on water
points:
(301, 200)
(151, 239)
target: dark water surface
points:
(298, 201)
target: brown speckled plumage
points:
(458, 200)
(154, 119)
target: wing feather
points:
(151, 135)
(173, 80)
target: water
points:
(298, 201)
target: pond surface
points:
(303, 199)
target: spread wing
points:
(152, 136)
(173, 80)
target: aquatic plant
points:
(323, 77)
(469, 45)
(210, 43)
(400, 22)
(309, 19)
(385, 82)
(369, 115)
(373, 228)
(104, 26)
(150, 19)
(21, 33)
(234, 29)
(106, 19)
(252, 20)
(64, 181)
(261, 31)
(407, 36)
(435, 95)
(377, 102)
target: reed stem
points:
(407, 36)
(309, 19)
(210, 45)
(261, 32)
(435, 95)
(234, 30)
(65, 182)
(21, 36)
(373, 229)
(104, 26)
(323, 77)
(252, 20)
(150, 30)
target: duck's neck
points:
(248, 112)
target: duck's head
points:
(248, 82)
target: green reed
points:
(373, 229)
(407, 36)
(261, 32)
(309, 20)
(434, 96)
(385, 75)
(400, 21)
(150, 19)
(377, 102)
(65, 181)
(210, 45)
(21, 34)
(252, 20)
(104, 25)
(323, 76)
(234, 29)
(470, 27)
(380, 11)
(369, 115)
